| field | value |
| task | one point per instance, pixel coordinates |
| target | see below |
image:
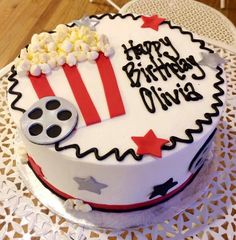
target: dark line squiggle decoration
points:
(113, 16)
(12, 78)
(173, 139)
(202, 43)
(208, 116)
(99, 157)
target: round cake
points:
(118, 111)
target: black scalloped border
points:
(119, 157)
(11, 90)
(173, 139)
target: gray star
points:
(86, 21)
(90, 184)
(211, 60)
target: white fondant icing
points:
(35, 70)
(129, 181)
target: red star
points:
(152, 22)
(149, 144)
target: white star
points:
(211, 60)
(86, 21)
(90, 184)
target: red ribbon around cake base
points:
(107, 207)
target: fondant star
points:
(211, 60)
(86, 21)
(90, 184)
(149, 144)
(162, 189)
(152, 22)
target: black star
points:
(163, 188)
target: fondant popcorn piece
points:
(59, 36)
(43, 58)
(77, 45)
(35, 38)
(73, 36)
(66, 45)
(20, 71)
(93, 55)
(69, 204)
(83, 208)
(51, 46)
(78, 202)
(81, 57)
(45, 37)
(61, 60)
(25, 65)
(84, 47)
(83, 31)
(71, 59)
(34, 47)
(34, 58)
(78, 205)
(61, 28)
(52, 63)
(46, 69)
(23, 54)
(35, 70)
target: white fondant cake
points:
(148, 103)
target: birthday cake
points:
(118, 111)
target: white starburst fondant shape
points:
(86, 21)
(211, 60)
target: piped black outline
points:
(12, 78)
(115, 151)
(173, 139)
(113, 16)
(199, 122)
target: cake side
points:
(159, 83)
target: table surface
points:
(21, 19)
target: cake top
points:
(144, 87)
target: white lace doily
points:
(213, 216)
